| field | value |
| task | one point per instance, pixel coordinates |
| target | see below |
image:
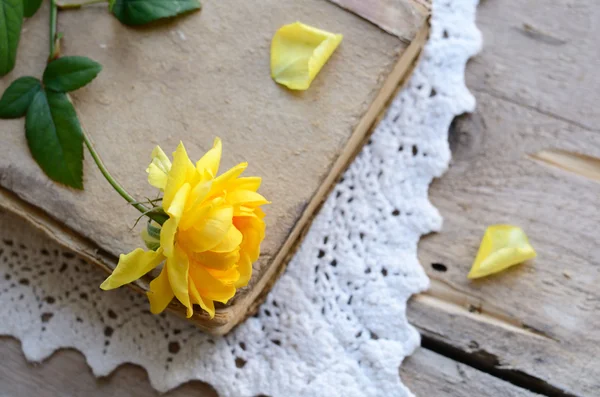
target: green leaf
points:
(70, 73)
(30, 7)
(11, 20)
(18, 96)
(54, 137)
(140, 12)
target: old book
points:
(193, 78)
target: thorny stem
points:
(66, 6)
(139, 206)
(53, 15)
(158, 218)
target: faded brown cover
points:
(191, 79)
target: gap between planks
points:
(445, 297)
(489, 363)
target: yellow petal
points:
(175, 209)
(198, 194)
(232, 241)
(205, 304)
(160, 292)
(211, 160)
(240, 210)
(247, 198)
(298, 52)
(195, 215)
(132, 266)
(229, 276)
(209, 287)
(159, 168)
(259, 213)
(156, 176)
(210, 231)
(167, 236)
(245, 270)
(217, 260)
(178, 269)
(223, 181)
(247, 183)
(502, 246)
(169, 228)
(181, 172)
(160, 159)
(253, 230)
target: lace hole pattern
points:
(335, 322)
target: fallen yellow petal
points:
(298, 52)
(502, 246)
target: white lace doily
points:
(335, 323)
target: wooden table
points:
(529, 155)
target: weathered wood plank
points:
(526, 159)
(542, 54)
(541, 317)
(67, 374)
(428, 374)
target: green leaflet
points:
(55, 138)
(11, 19)
(30, 7)
(70, 73)
(140, 12)
(18, 96)
(52, 128)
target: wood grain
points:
(537, 89)
(528, 156)
(428, 374)
(543, 55)
(66, 374)
(393, 16)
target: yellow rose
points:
(210, 240)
